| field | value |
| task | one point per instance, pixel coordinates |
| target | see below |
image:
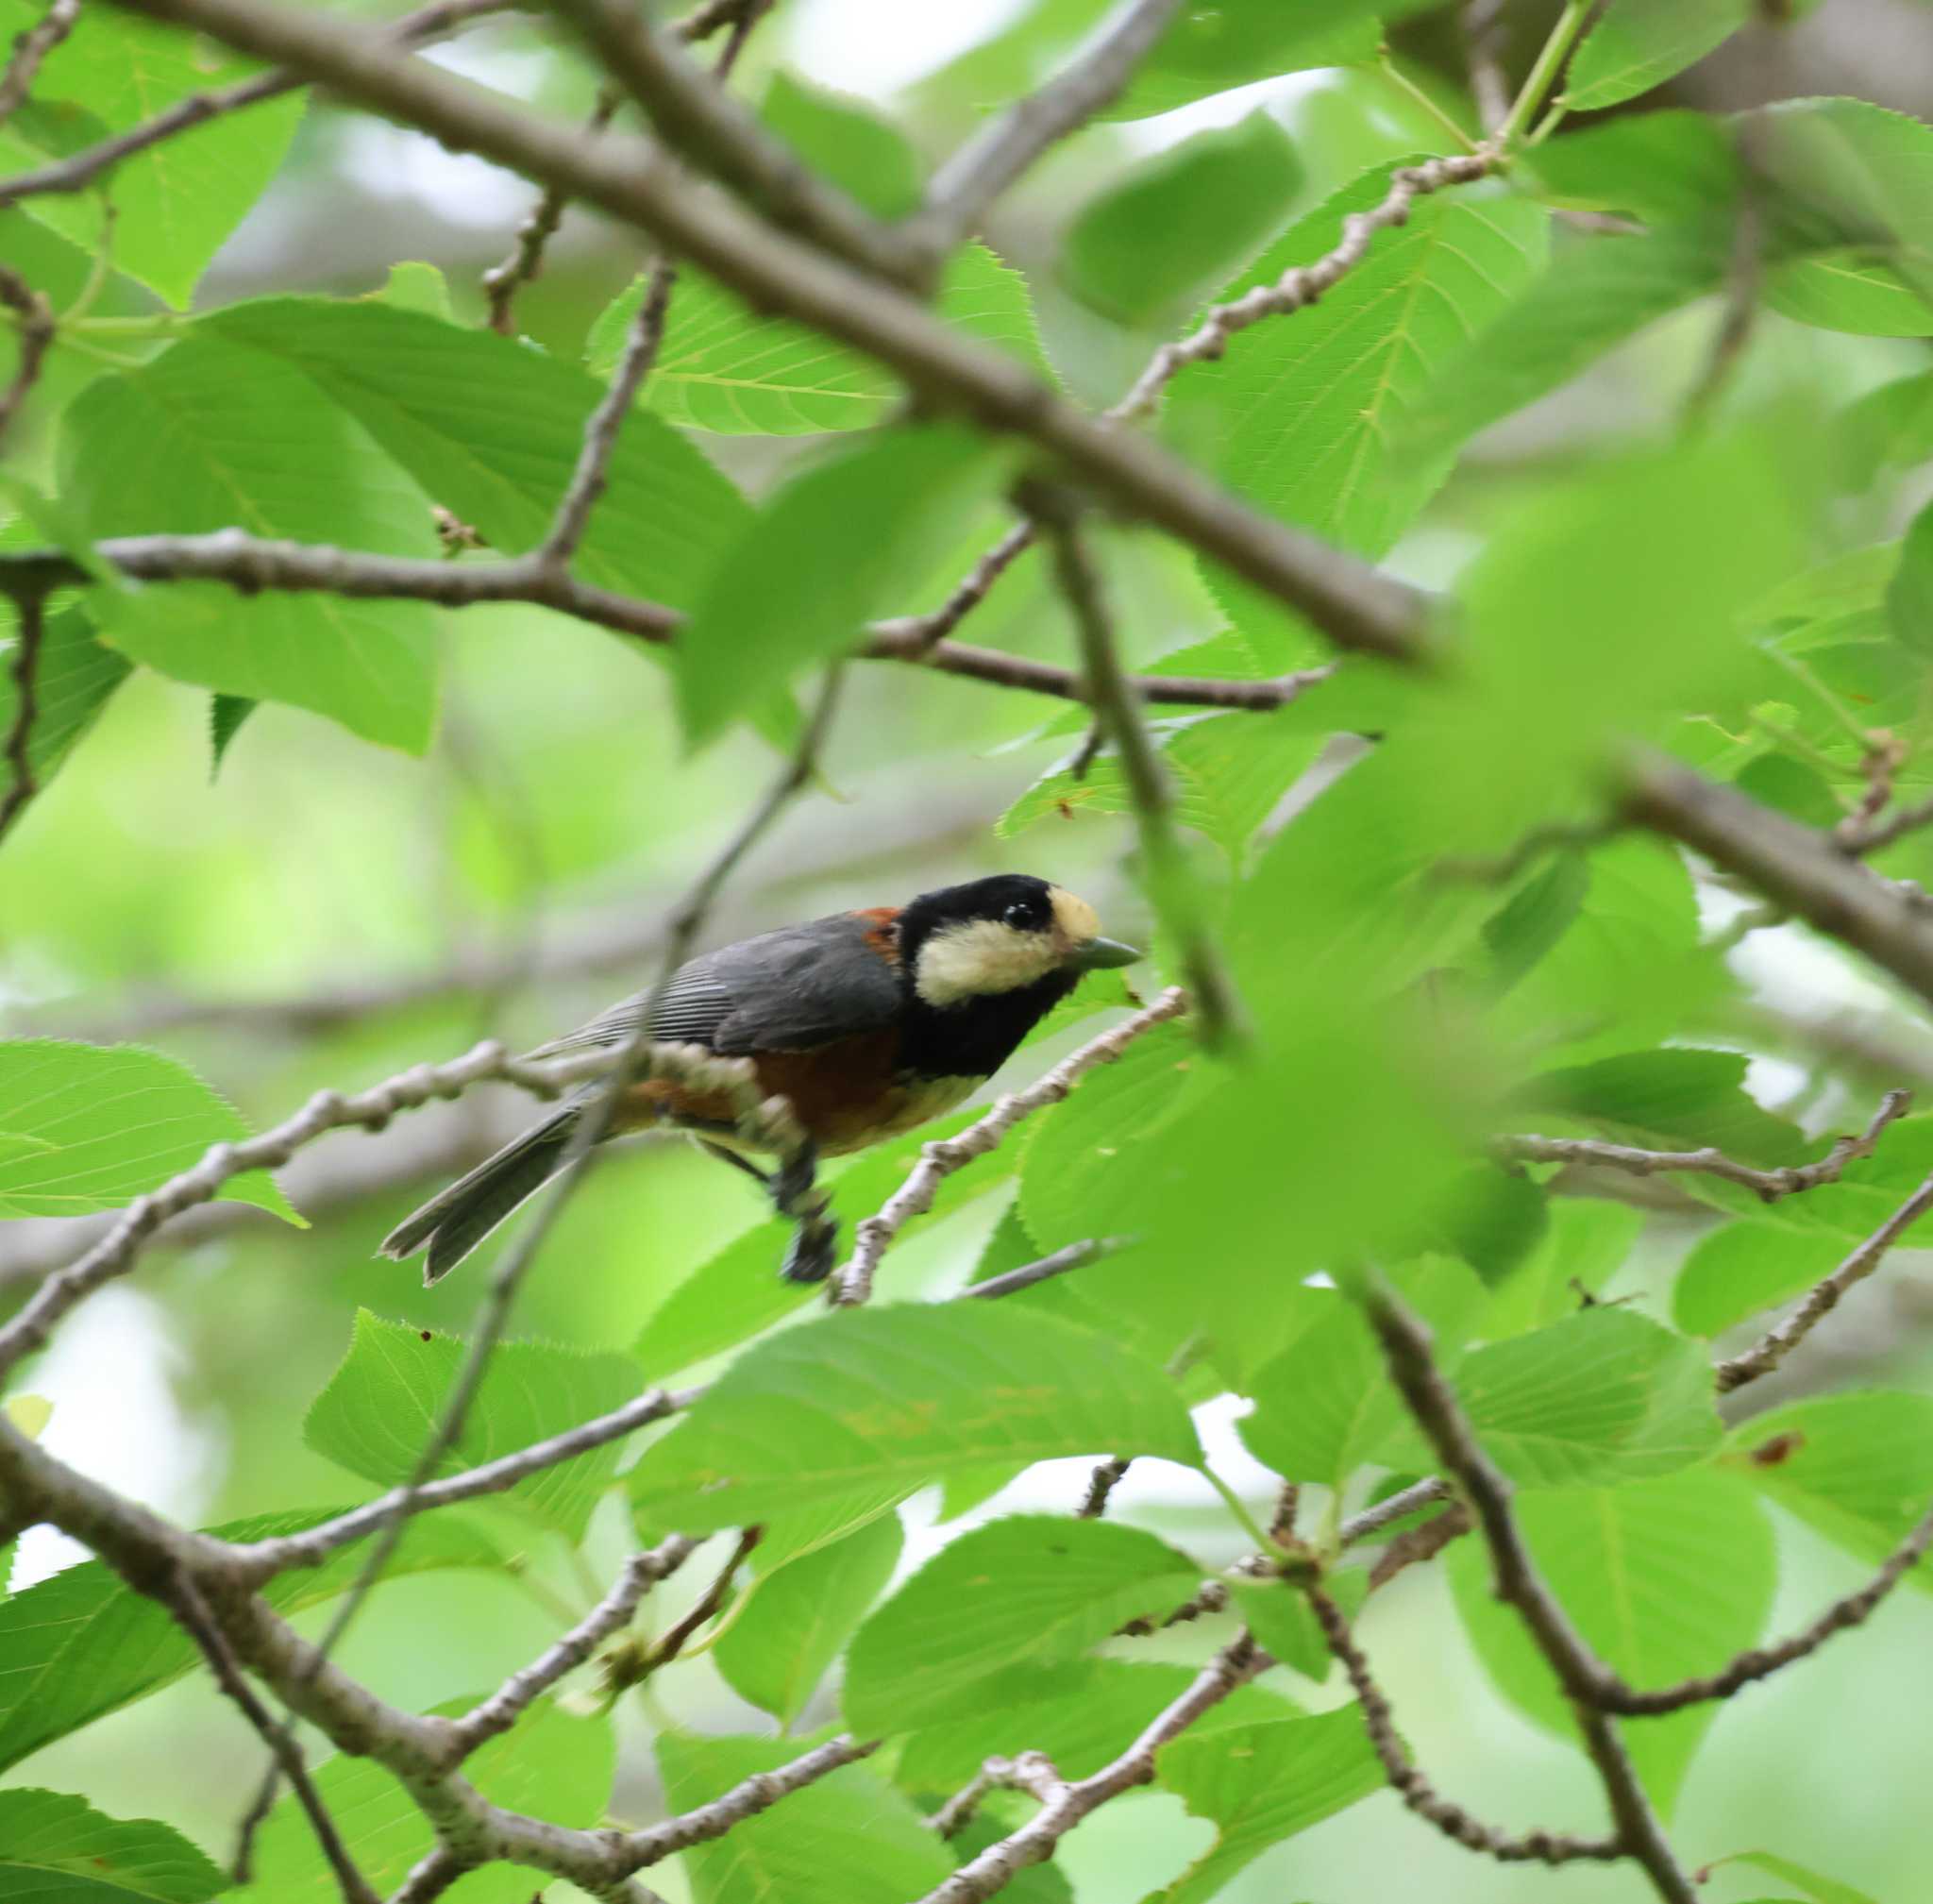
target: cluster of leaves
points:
(1701, 591)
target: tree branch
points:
(1075, 1257)
(1797, 868)
(1031, 1772)
(717, 136)
(24, 671)
(1379, 1722)
(940, 1159)
(34, 319)
(1066, 1804)
(508, 1704)
(186, 1604)
(1351, 602)
(1169, 876)
(250, 563)
(1760, 1662)
(1771, 1348)
(1770, 1185)
(990, 161)
(31, 49)
(77, 172)
(1583, 1676)
(524, 264)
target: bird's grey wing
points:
(784, 990)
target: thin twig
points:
(1415, 1545)
(1769, 1186)
(940, 1159)
(680, 1634)
(719, 137)
(502, 1709)
(1170, 879)
(1302, 284)
(1410, 1500)
(260, 1560)
(773, 1120)
(1760, 1662)
(1106, 1477)
(1065, 1805)
(1075, 1257)
(251, 564)
(524, 264)
(640, 346)
(1771, 1348)
(81, 169)
(1516, 1581)
(34, 319)
(25, 673)
(990, 161)
(1542, 1847)
(31, 50)
(184, 1599)
(1031, 1772)
(1483, 39)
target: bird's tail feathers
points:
(454, 1221)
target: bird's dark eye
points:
(1020, 914)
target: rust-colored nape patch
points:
(882, 935)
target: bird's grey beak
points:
(1101, 955)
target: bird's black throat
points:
(974, 1037)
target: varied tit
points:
(868, 1023)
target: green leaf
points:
(1666, 168)
(1324, 1404)
(842, 138)
(71, 682)
(1210, 201)
(226, 713)
(1261, 1784)
(1081, 1715)
(178, 201)
(1637, 44)
(1679, 1099)
(491, 429)
(1602, 1398)
(846, 1839)
(56, 1848)
(1594, 294)
(777, 1650)
(1887, 429)
(734, 371)
(106, 1122)
(1277, 1613)
(1230, 770)
(901, 1396)
(1869, 1190)
(1306, 414)
(81, 1644)
(854, 534)
(1808, 1884)
(1029, 1590)
(1858, 1468)
(415, 286)
(1538, 914)
(554, 1767)
(1852, 173)
(206, 437)
(1746, 1267)
(389, 1395)
(1664, 1578)
(1910, 595)
(1847, 289)
(1212, 49)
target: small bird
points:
(867, 1022)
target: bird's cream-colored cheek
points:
(1077, 920)
(979, 957)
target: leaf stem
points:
(1410, 89)
(1233, 1502)
(1550, 62)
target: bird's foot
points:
(810, 1254)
